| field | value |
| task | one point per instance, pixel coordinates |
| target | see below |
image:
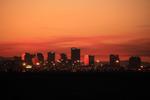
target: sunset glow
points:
(98, 27)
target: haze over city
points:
(98, 27)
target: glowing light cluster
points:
(37, 63)
(28, 66)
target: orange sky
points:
(99, 27)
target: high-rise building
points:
(75, 55)
(135, 62)
(40, 58)
(63, 57)
(114, 60)
(91, 60)
(28, 58)
(51, 57)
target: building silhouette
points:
(28, 59)
(135, 62)
(114, 60)
(91, 60)
(51, 57)
(35, 63)
(40, 58)
(75, 55)
(63, 57)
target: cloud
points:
(89, 45)
(144, 26)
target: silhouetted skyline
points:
(98, 27)
(36, 62)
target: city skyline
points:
(36, 63)
(98, 27)
(75, 56)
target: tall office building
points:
(40, 58)
(63, 57)
(114, 60)
(51, 57)
(91, 60)
(28, 58)
(75, 55)
(135, 62)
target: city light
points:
(142, 67)
(37, 63)
(78, 61)
(58, 61)
(24, 64)
(28, 66)
(97, 61)
(117, 61)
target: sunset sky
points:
(98, 27)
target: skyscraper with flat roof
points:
(40, 58)
(63, 57)
(51, 57)
(75, 55)
(91, 60)
(28, 58)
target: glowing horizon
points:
(98, 27)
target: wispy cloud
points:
(144, 26)
(89, 45)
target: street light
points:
(24, 64)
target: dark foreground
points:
(74, 85)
